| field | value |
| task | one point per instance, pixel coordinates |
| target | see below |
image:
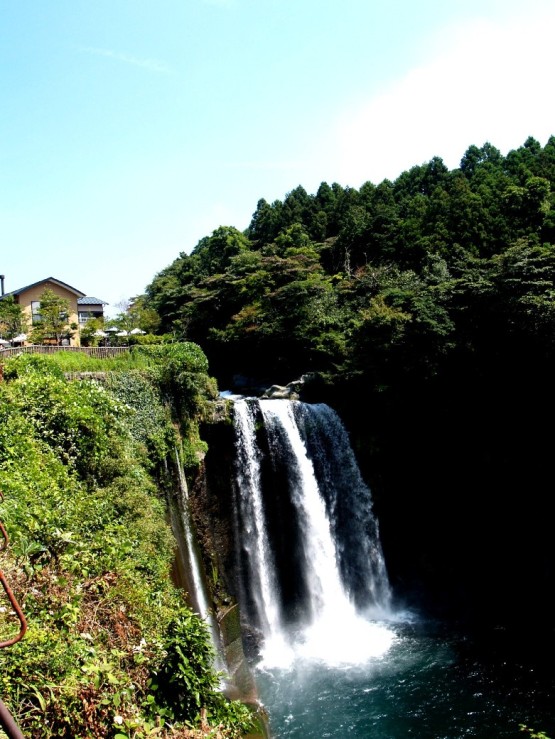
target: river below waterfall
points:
(432, 682)
(336, 658)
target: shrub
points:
(91, 554)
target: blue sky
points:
(130, 129)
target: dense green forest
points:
(423, 310)
(389, 281)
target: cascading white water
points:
(326, 624)
(346, 665)
(325, 591)
(198, 594)
(199, 590)
(260, 564)
(349, 507)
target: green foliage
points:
(89, 331)
(380, 281)
(78, 420)
(183, 685)
(134, 314)
(149, 421)
(30, 364)
(175, 356)
(12, 318)
(533, 734)
(215, 252)
(91, 553)
(181, 373)
(172, 379)
(54, 319)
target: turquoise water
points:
(430, 683)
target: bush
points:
(185, 683)
(91, 554)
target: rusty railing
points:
(7, 722)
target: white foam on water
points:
(345, 644)
(332, 641)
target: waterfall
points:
(349, 505)
(321, 573)
(194, 574)
(312, 569)
(254, 535)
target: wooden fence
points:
(100, 352)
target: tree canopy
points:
(384, 281)
(54, 319)
(12, 319)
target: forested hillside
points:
(388, 281)
(425, 307)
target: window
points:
(84, 316)
(35, 312)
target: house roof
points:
(40, 282)
(87, 300)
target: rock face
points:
(279, 391)
(211, 501)
(291, 391)
(211, 510)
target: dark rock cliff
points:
(460, 483)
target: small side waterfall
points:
(312, 569)
(196, 584)
(197, 589)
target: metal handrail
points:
(19, 613)
(7, 721)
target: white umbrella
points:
(137, 331)
(99, 332)
(19, 338)
(121, 333)
(112, 329)
(4, 342)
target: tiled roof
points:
(90, 301)
(40, 282)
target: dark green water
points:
(336, 659)
(431, 683)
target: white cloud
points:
(266, 165)
(485, 82)
(220, 3)
(153, 65)
(209, 219)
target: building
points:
(81, 307)
(89, 307)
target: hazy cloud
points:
(221, 3)
(153, 65)
(484, 82)
(265, 165)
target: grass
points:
(82, 362)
